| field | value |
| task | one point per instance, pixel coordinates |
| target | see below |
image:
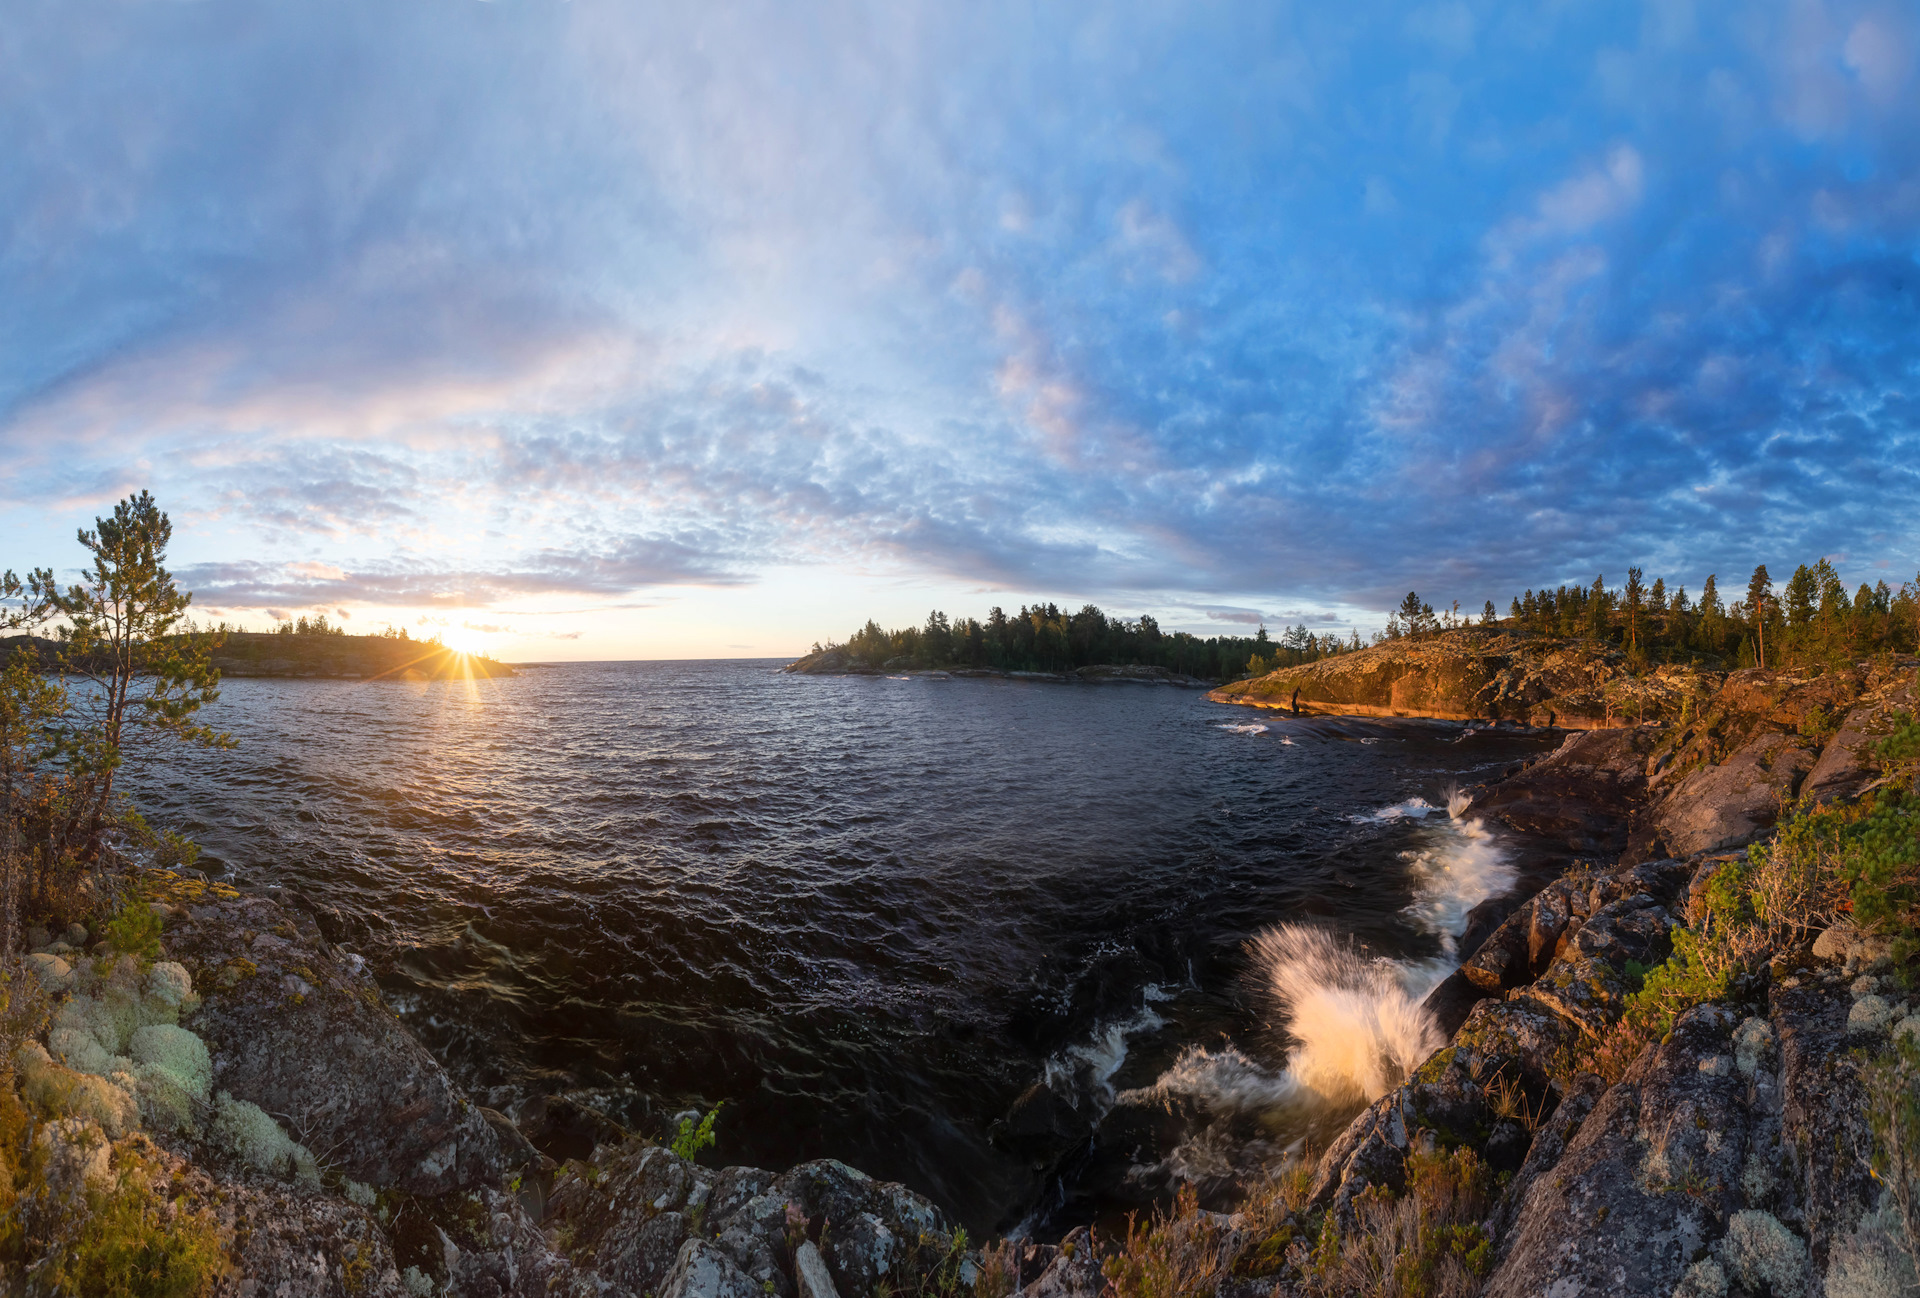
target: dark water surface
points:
(866, 913)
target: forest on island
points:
(1811, 619)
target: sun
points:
(462, 640)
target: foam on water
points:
(1084, 1072)
(1249, 729)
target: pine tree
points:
(1760, 605)
(1636, 601)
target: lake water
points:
(870, 914)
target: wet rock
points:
(335, 1063)
(1443, 1102)
(1644, 1184)
(1452, 1000)
(1042, 1121)
(564, 1127)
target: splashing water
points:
(1466, 865)
(1357, 1023)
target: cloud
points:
(479, 305)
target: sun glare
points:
(461, 640)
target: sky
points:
(588, 329)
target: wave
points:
(1465, 867)
(1252, 728)
(1085, 1071)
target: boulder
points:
(1644, 1184)
(1824, 1132)
(1074, 1271)
(1854, 948)
(1581, 796)
(1729, 805)
(333, 1060)
(702, 1270)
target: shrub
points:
(1426, 1243)
(1171, 1255)
(690, 1138)
(135, 930)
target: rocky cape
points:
(1482, 674)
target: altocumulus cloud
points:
(454, 304)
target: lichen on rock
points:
(249, 1133)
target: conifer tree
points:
(1759, 607)
(1636, 599)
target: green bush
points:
(135, 931)
(690, 1138)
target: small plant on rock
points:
(690, 1137)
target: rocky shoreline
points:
(253, 1082)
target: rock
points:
(1074, 1271)
(55, 974)
(733, 1188)
(1444, 1099)
(704, 1271)
(1519, 1034)
(810, 1273)
(1824, 1132)
(563, 1127)
(1043, 1121)
(1643, 1185)
(1869, 1017)
(1582, 796)
(628, 1215)
(1855, 949)
(1543, 1154)
(1729, 805)
(336, 1062)
(1452, 1000)
(1846, 765)
(877, 1228)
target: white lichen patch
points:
(1704, 1279)
(1869, 1014)
(78, 1154)
(1751, 1041)
(1760, 1254)
(1870, 1261)
(57, 1089)
(248, 1132)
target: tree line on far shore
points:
(1812, 620)
(1047, 638)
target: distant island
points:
(1812, 621)
(327, 654)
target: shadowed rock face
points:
(309, 1039)
(1583, 795)
(1473, 674)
